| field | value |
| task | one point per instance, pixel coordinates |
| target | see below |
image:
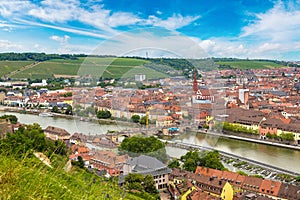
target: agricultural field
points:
(251, 64)
(9, 66)
(107, 67)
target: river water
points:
(280, 157)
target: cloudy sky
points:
(220, 28)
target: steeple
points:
(195, 83)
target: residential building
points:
(148, 165)
(109, 161)
(55, 133)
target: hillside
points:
(248, 64)
(107, 67)
(123, 67)
(28, 178)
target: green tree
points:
(143, 120)
(80, 162)
(101, 114)
(55, 109)
(134, 182)
(12, 118)
(210, 159)
(31, 138)
(135, 118)
(150, 146)
(149, 184)
(287, 136)
(174, 163)
(69, 110)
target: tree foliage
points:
(150, 146)
(238, 128)
(174, 163)
(143, 120)
(79, 162)
(103, 114)
(35, 56)
(287, 136)
(140, 183)
(135, 118)
(31, 138)
(12, 118)
(210, 159)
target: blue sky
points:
(217, 28)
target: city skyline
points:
(242, 29)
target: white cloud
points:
(60, 12)
(63, 39)
(158, 12)
(174, 22)
(279, 24)
(6, 45)
(137, 43)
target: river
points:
(276, 156)
(70, 125)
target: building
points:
(140, 77)
(55, 133)
(244, 96)
(108, 161)
(164, 121)
(148, 165)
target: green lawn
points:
(251, 64)
(8, 66)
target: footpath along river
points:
(276, 156)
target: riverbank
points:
(250, 140)
(243, 161)
(60, 115)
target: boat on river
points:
(45, 114)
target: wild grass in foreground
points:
(29, 178)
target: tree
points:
(135, 118)
(210, 159)
(55, 109)
(149, 184)
(80, 162)
(101, 114)
(140, 183)
(31, 138)
(287, 136)
(69, 110)
(150, 146)
(12, 118)
(133, 182)
(143, 120)
(174, 163)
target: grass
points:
(251, 64)
(28, 178)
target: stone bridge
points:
(114, 136)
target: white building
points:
(139, 77)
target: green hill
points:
(114, 67)
(30, 179)
(248, 64)
(107, 67)
(24, 176)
